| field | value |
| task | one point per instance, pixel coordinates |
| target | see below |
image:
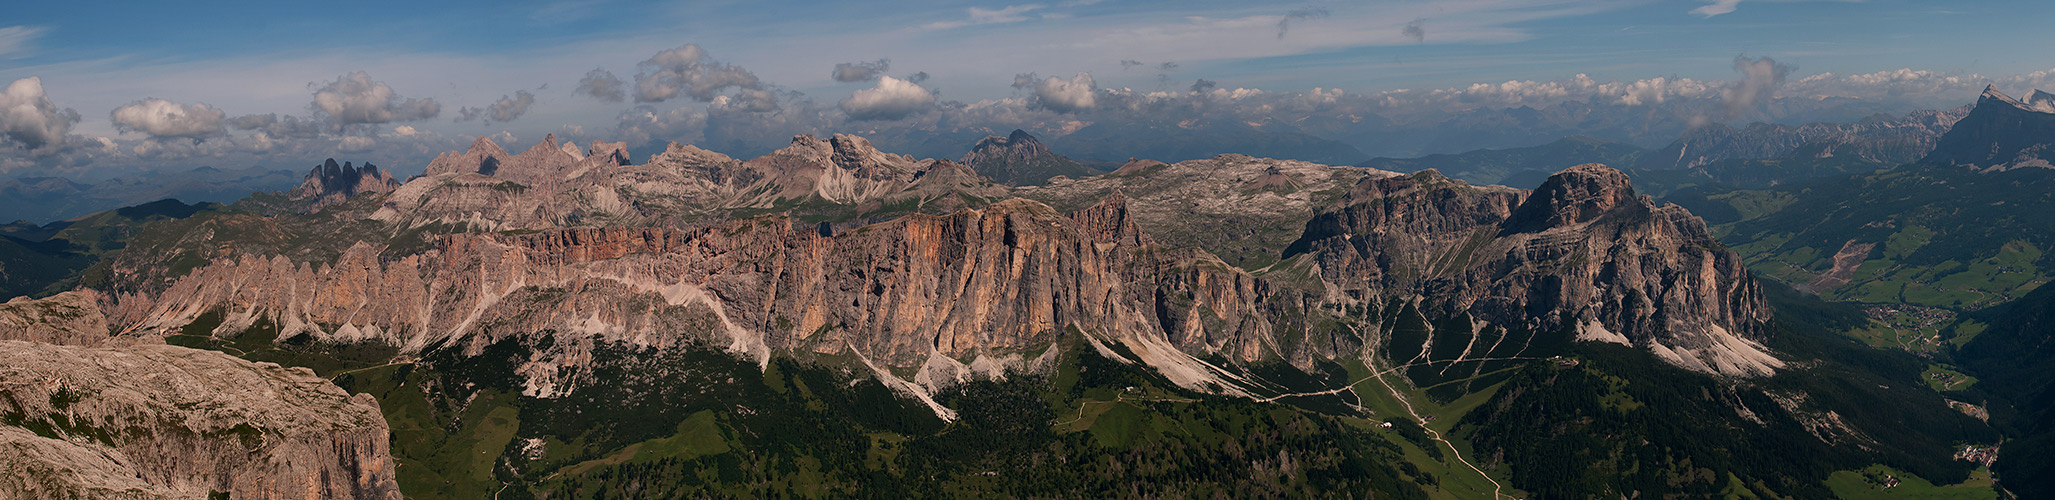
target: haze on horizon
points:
(92, 92)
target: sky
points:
(92, 87)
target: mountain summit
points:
(1019, 159)
(2001, 133)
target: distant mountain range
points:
(44, 199)
(1759, 155)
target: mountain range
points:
(830, 319)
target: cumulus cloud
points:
(162, 119)
(689, 71)
(891, 99)
(918, 77)
(1057, 94)
(603, 85)
(1760, 78)
(1126, 64)
(861, 71)
(506, 109)
(16, 40)
(1203, 86)
(1715, 7)
(1284, 23)
(29, 119)
(355, 99)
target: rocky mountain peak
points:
(1020, 159)
(485, 146)
(2001, 133)
(1575, 195)
(330, 183)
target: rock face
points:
(1580, 252)
(917, 291)
(69, 318)
(1021, 160)
(2001, 133)
(1135, 263)
(159, 421)
(330, 183)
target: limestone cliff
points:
(911, 292)
(1582, 252)
(158, 421)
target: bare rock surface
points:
(1581, 252)
(70, 318)
(158, 421)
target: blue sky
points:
(246, 58)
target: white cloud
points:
(1715, 7)
(891, 99)
(506, 109)
(688, 70)
(162, 119)
(30, 119)
(356, 98)
(15, 41)
(1060, 95)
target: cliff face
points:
(169, 422)
(918, 291)
(1581, 252)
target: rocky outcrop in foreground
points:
(157, 421)
(69, 318)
